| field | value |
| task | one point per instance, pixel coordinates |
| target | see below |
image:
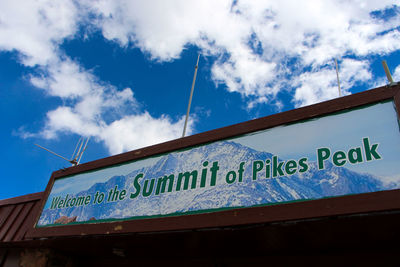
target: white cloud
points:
(246, 74)
(138, 131)
(320, 85)
(260, 48)
(100, 110)
(64, 79)
(65, 119)
(124, 134)
(35, 29)
(353, 71)
(257, 42)
(316, 86)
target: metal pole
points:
(84, 148)
(387, 71)
(337, 76)
(77, 144)
(191, 95)
(48, 150)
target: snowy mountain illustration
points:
(313, 184)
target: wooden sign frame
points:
(343, 205)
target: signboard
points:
(347, 152)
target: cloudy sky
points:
(120, 71)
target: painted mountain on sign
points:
(312, 184)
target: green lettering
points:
(303, 165)
(291, 167)
(65, 201)
(339, 158)
(95, 197)
(258, 165)
(187, 176)
(230, 177)
(323, 154)
(355, 155)
(240, 171)
(136, 185)
(268, 168)
(54, 202)
(370, 151)
(122, 194)
(109, 199)
(87, 200)
(162, 184)
(148, 192)
(204, 175)
(80, 201)
(277, 168)
(214, 169)
(60, 204)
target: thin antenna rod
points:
(81, 140)
(387, 71)
(77, 144)
(78, 152)
(337, 76)
(191, 95)
(53, 153)
(83, 150)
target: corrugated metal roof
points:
(17, 216)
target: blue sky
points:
(121, 71)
